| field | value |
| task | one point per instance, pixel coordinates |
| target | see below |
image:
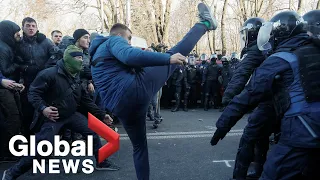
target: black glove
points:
(218, 135)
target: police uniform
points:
(210, 79)
(289, 76)
(190, 82)
(178, 78)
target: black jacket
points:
(211, 73)
(51, 84)
(226, 73)
(35, 53)
(252, 57)
(8, 64)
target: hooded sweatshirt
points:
(8, 66)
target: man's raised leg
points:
(158, 75)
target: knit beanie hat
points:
(79, 33)
(72, 65)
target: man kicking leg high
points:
(127, 78)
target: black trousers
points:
(10, 118)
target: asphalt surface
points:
(178, 150)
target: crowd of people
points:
(201, 78)
(48, 88)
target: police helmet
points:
(281, 27)
(224, 59)
(234, 55)
(249, 31)
(312, 19)
(203, 57)
(214, 56)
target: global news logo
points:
(61, 148)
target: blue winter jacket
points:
(119, 68)
(260, 87)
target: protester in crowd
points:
(35, 50)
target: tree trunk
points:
(166, 22)
(290, 5)
(223, 33)
(209, 42)
(128, 13)
(300, 6)
(117, 14)
(158, 18)
(214, 32)
(243, 10)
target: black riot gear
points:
(312, 19)
(309, 72)
(177, 78)
(290, 25)
(213, 57)
(249, 31)
(281, 27)
(190, 81)
(210, 79)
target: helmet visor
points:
(243, 38)
(244, 35)
(264, 36)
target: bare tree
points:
(223, 30)
(165, 27)
(243, 10)
(300, 6)
(128, 12)
(290, 5)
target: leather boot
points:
(206, 99)
(185, 107)
(176, 107)
(256, 171)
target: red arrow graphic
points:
(113, 138)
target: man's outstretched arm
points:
(131, 56)
(259, 88)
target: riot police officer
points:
(190, 80)
(312, 19)
(291, 76)
(226, 73)
(234, 62)
(210, 80)
(254, 142)
(201, 67)
(177, 79)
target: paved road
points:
(179, 150)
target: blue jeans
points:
(154, 107)
(77, 123)
(132, 107)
